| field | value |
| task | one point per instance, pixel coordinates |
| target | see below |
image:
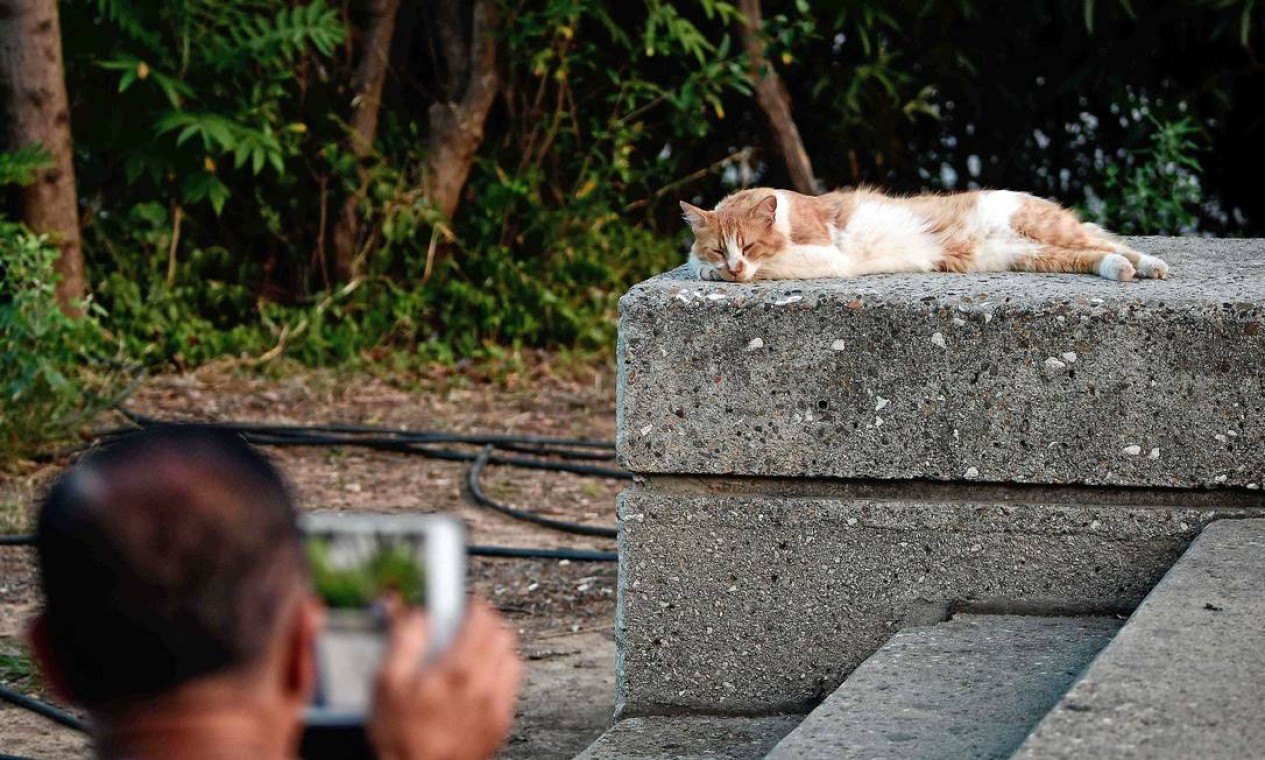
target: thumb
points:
(408, 634)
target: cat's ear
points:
(766, 211)
(694, 216)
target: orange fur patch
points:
(1054, 258)
(959, 253)
(1049, 223)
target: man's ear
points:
(38, 639)
(305, 625)
(694, 216)
(766, 210)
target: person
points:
(178, 613)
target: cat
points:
(767, 234)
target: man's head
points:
(170, 558)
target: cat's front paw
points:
(710, 273)
(1150, 266)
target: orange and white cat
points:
(766, 234)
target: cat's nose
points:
(738, 267)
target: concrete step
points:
(972, 687)
(1186, 676)
(690, 738)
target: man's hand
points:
(457, 707)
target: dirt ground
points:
(563, 611)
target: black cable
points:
(450, 455)
(576, 555)
(55, 714)
(419, 443)
(476, 491)
(18, 540)
(541, 450)
(417, 436)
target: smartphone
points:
(356, 561)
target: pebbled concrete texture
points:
(1186, 676)
(691, 738)
(968, 689)
(1008, 378)
(747, 604)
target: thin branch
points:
(177, 216)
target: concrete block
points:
(1007, 378)
(968, 689)
(691, 738)
(823, 463)
(759, 602)
(1186, 675)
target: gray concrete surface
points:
(1013, 378)
(1185, 678)
(748, 604)
(691, 738)
(969, 689)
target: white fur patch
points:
(994, 208)
(1115, 267)
(1150, 266)
(999, 245)
(806, 262)
(782, 214)
(885, 236)
(733, 252)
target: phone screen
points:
(356, 563)
(355, 571)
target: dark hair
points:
(164, 556)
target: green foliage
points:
(54, 369)
(565, 219)
(390, 569)
(19, 167)
(1155, 189)
(226, 72)
(18, 670)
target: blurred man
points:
(179, 614)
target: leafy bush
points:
(1155, 189)
(55, 370)
(221, 193)
(206, 91)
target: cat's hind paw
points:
(1150, 266)
(1116, 267)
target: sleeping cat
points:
(766, 234)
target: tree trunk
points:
(370, 76)
(33, 95)
(774, 100)
(456, 123)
